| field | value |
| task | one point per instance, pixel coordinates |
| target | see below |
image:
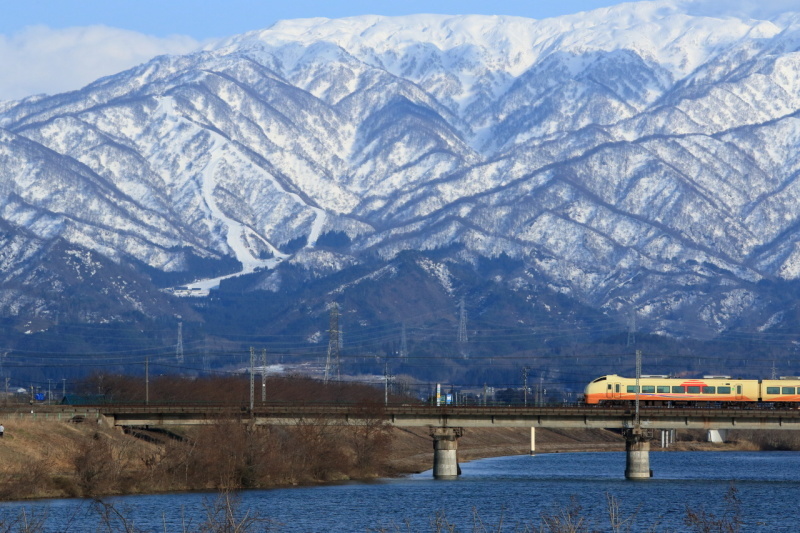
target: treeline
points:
(119, 388)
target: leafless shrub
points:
(318, 453)
(370, 439)
(703, 521)
(111, 519)
(28, 481)
(24, 522)
(93, 465)
(440, 523)
(224, 515)
(567, 519)
(616, 521)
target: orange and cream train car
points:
(661, 390)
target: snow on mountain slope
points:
(642, 141)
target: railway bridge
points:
(448, 423)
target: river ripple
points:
(515, 491)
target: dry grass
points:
(42, 458)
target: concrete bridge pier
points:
(533, 440)
(637, 452)
(445, 452)
(717, 435)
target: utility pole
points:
(386, 378)
(252, 363)
(147, 381)
(525, 384)
(49, 381)
(638, 376)
(264, 375)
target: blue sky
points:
(203, 19)
(52, 46)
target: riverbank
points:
(49, 458)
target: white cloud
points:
(39, 59)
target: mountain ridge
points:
(632, 142)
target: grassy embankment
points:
(47, 458)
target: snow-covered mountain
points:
(633, 157)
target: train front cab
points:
(603, 389)
(613, 389)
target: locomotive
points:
(665, 390)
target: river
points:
(513, 491)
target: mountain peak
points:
(639, 142)
(661, 31)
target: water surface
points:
(515, 491)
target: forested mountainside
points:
(633, 163)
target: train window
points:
(787, 390)
(603, 378)
(773, 390)
(724, 390)
(649, 388)
(616, 387)
(738, 389)
(709, 390)
(679, 389)
(609, 386)
(693, 390)
(632, 388)
(662, 388)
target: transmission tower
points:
(206, 365)
(403, 344)
(179, 347)
(332, 362)
(632, 327)
(462, 330)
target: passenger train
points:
(664, 390)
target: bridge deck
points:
(421, 416)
